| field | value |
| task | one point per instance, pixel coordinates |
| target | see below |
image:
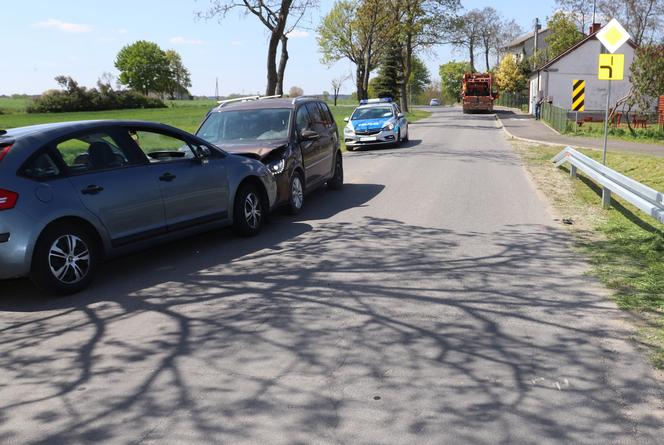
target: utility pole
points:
(216, 89)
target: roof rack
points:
(303, 98)
(223, 103)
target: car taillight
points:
(7, 199)
(4, 151)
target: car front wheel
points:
(249, 211)
(65, 259)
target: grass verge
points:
(651, 135)
(624, 246)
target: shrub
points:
(76, 98)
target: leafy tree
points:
(507, 32)
(388, 81)
(564, 34)
(451, 76)
(509, 76)
(295, 91)
(420, 24)
(274, 15)
(143, 66)
(647, 75)
(419, 77)
(179, 79)
(359, 32)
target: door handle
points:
(92, 190)
(167, 177)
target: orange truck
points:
(477, 92)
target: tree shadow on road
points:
(373, 329)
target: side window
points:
(327, 115)
(314, 112)
(94, 151)
(41, 167)
(161, 147)
(302, 119)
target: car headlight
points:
(277, 167)
(388, 127)
(349, 130)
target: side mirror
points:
(203, 153)
(346, 119)
(401, 115)
(309, 135)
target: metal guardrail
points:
(645, 198)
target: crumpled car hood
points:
(255, 149)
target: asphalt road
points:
(434, 300)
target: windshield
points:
(246, 125)
(372, 113)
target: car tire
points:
(65, 259)
(249, 211)
(397, 142)
(296, 194)
(407, 137)
(350, 148)
(337, 180)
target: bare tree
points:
(295, 91)
(337, 83)
(643, 19)
(581, 11)
(467, 33)
(509, 30)
(489, 32)
(274, 15)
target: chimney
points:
(595, 27)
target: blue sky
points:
(80, 38)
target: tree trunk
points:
(471, 49)
(407, 68)
(282, 65)
(336, 95)
(272, 75)
(359, 81)
(486, 58)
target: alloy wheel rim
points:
(69, 259)
(252, 210)
(297, 192)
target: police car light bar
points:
(375, 101)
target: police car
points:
(375, 122)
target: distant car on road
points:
(74, 193)
(434, 103)
(375, 122)
(297, 139)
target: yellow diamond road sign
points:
(611, 67)
(613, 36)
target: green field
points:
(186, 115)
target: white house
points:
(554, 80)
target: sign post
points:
(611, 67)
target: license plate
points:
(368, 139)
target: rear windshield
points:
(246, 125)
(372, 113)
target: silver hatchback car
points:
(72, 194)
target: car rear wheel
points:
(249, 211)
(337, 180)
(65, 259)
(407, 137)
(296, 194)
